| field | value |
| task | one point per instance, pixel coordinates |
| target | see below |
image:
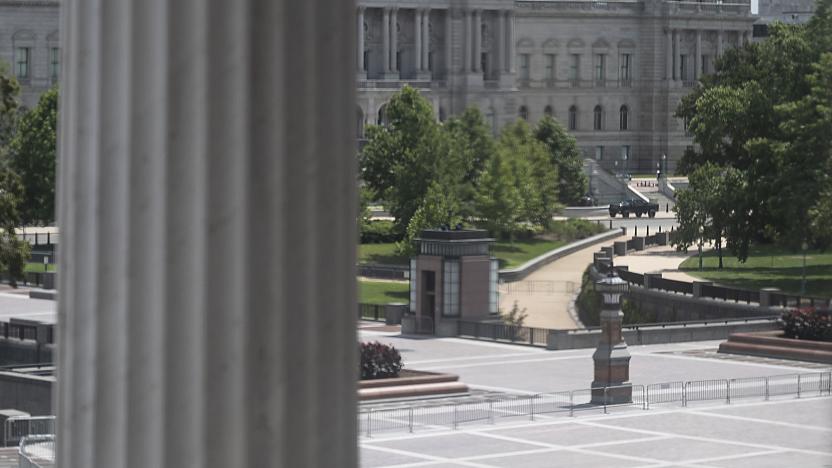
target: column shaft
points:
(719, 41)
(385, 39)
(417, 39)
(511, 41)
(669, 54)
(394, 40)
(501, 41)
(184, 339)
(477, 31)
(425, 39)
(360, 40)
(449, 58)
(697, 70)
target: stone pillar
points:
(184, 339)
(510, 45)
(719, 43)
(425, 39)
(449, 57)
(385, 39)
(669, 55)
(677, 71)
(501, 41)
(466, 42)
(611, 383)
(697, 70)
(360, 40)
(477, 31)
(417, 39)
(394, 41)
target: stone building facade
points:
(610, 71)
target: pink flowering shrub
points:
(379, 361)
(808, 324)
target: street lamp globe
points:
(611, 288)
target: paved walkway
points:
(664, 259)
(547, 293)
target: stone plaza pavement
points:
(15, 303)
(751, 433)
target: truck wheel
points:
(652, 213)
(638, 214)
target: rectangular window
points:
(366, 60)
(524, 67)
(450, 288)
(683, 67)
(54, 63)
(484, 63)
(550, 67)
(494, 296)
(413, 285)
(599, 153)
(21, 62)
(706, 66)
(600, 60)
(625, 68)
(574, 69)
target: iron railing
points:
(503, 332)
(488, 409)
(537, 287)
(371, 312)
(18, 427)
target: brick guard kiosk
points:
(453, 277)
(611, 357)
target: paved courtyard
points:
(16, 303)
(783, 432)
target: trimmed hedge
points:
(379, 361)
(808, 324)
(379, 232)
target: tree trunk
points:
(719, 248)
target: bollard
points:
(610, 224)
(660, 229)
(667, 207)
(648, 231)
(605, 400)
(636, 231)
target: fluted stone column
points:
(208, 234)
(697, 70)
(719, 43)
(477, 32)
(417, 39)
(467, 45)
(501, 41)
(677, 70)
(449, 58)
(385, 39)
(360, 40)
(669, 56)
(511, 41)
(394, 41)
(425, 39)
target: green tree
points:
(400, 161)
(438, 209)
(9, 105)
(498, 200)
(565, 155)
(33, 157)
(13, 251)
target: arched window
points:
(524, 113)
(547, 111)
(573, 118)
(624, 118)
(382, 118)
(359, 123)
(598, 118)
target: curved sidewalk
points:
(547, 309)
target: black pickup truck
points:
(635, 206)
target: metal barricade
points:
(18, 427)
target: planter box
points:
(411, 383)
(774, 345)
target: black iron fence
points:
(371, 312)
(379, 271)
(502, 332)
(664, 284)
(488, 409)
(28, 331)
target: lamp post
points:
(611, 358)
(803, 247)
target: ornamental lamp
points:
(612, 287)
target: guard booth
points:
(453, 277)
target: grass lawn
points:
(38, 267)
(517, 253)
(380, 253)
(382, 292)
(768, 267)
(510, 254)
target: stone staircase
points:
(605, 187)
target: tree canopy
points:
(764, 116)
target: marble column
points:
(417, 39)
(185, 339)
(385, 39)
(719, 40)
(501, 41)
(477, 31)
(669, 56)
(677, 64)
(697, 60)
(467, 46)
(425, 39)
(449, 58)
(511, 41)
(360, 40)
(394, 41)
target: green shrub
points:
(807, 324)
(574, 229)
(588, 304)
(379, 232)
(379, 361)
